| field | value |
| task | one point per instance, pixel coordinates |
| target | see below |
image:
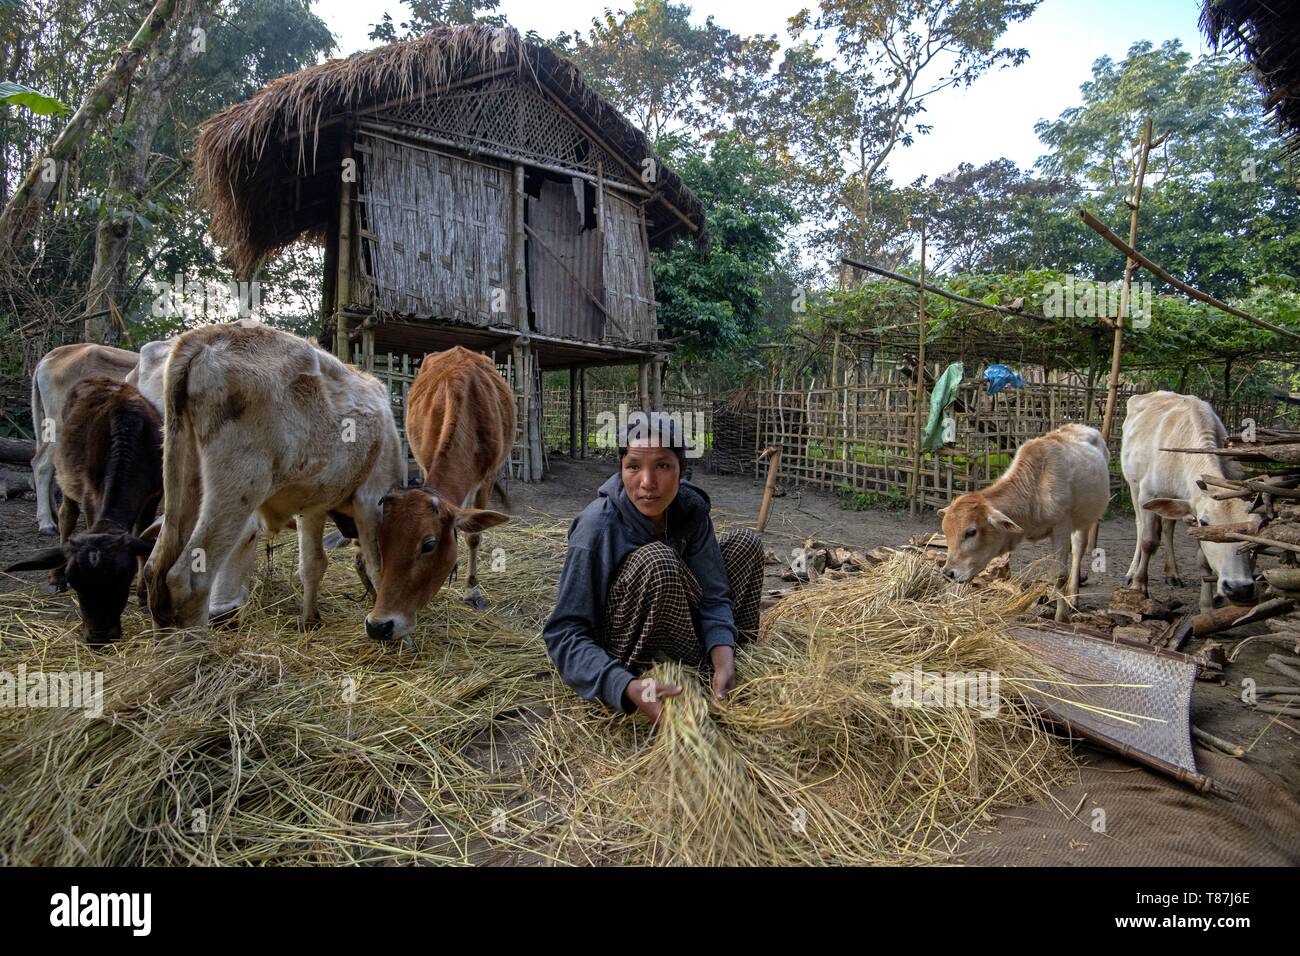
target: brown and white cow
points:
(1163, 487)
(56, 374)
(260, 424)
(109, 465)
(460, 422)
(1057, 485)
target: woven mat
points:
(1150, 820)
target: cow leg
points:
(311, 566)
(1172, 577)
(1061, 553)
(1078, 541)
(1133, 566)
(191, 579)
(43, 481)
(474, 597)
(69, 510)
(230, 590)
(1148, 544)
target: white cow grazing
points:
(261, 422)
(1057, 485)
(57, 372)
(1163, 486)
(230, 588)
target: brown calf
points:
(460, 422)
(109, 464)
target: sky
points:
(994, 117)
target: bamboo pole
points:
(343, 284)
(1117, 342)
(920, 384)
(773, 456)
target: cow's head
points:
(417, 550)
(1235, 570)
(100, 566)
(976, 533)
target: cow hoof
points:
(1128, 580)
(58, 588)
(476, 600)
(1175, 582)
(49, 530)
(306, 624)
(1083, 579)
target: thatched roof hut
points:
(470, 189)
(1267, 33)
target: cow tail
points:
(38, 410)
(179, 458)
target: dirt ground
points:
(1273, 746)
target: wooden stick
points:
(1217, 533)
(908, 280)
(773, 454)
(1278, 709)
(1225, 618)
(1205, 737)
(1282, 668)
(1267, 542)
(1183, 287)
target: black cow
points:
(108, 461)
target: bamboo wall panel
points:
(628, 297)
(437, 233)
(564, 265)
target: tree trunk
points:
(108, 295)
(28, 200)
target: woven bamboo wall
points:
(861, 436)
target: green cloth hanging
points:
(945, 390)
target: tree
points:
(28, 200)
(1219, 209)
(670, 76)
(427, 14)
(720, 293)
(889, 58)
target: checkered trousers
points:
(649, 610)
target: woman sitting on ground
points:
(645, 577)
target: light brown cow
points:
(261, 424)
(460, 423)
(55, 376)
(1057, 485)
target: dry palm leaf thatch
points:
(290, 131)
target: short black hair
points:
(655, 425)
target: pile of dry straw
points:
(256, 745)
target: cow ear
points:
(1002, 522)
(1169, 507)
(40, 561)
(941, 512)
(474, 520)
(141, 547)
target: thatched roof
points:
(284, 141)
(1267, 33)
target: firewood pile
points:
(16, 466)
(1270, 483)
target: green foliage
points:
(719, 292)
(852, 499)
(31, 99)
